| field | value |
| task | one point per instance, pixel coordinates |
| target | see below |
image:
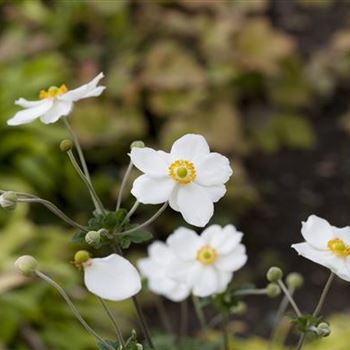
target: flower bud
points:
(66, 145)
(273, 290)
(323, 329)
(8, 200)
(93, 238)
(240, 308)
(294, 280)
(26, 264)
(137, 144)
(274, 274)
(81, 257)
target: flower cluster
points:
(189, 263)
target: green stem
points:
(149, 221)
(324, 294)
(250, 292)
(290, 298)
(123, 184)
(50, 206)
(226, 336)
(114, 322)
(184, 319)
(163, 315)
(98, 204)
(199, 312)
(131, 212)
(72, 307)
(301, 342)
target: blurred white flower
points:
(190, 177)
(155, 269)
(326, 245)
(206, 263)
(54, 103)
(111, 278)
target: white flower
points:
(111, 278)
(190, 177)
(54, 103)
(326, 245)
(206, 263)
(155, 269)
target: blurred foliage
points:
(220, 68)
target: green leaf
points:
(102, 346)
(79, 237)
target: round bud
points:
(66, 145)
(93, 238)
(323, 329)
(81, 257)
(139, 346)
(274, 274)
(294, 280)
(273, 290)
(240, 308)
(26, 264)
(137, 144)
(8, 200)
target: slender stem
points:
(184, 318)
(50, 206)
(149, 221)
(226, 336)
(131, 212)
(114, 322)
(94, 196)
(301, 342)
(79, 150)
(72, 307)
(163, 315)
(123, 184)
(245, 292)
(324, 294)
(140, 315)
(290, 298)
(199, 312)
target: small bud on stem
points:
(274, 274)
(273, 290)
(8, 200)
(26, 264)
(66, 145)
(137, 144)
(294, 280)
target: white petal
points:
(160, 252)
(179, 293)
(205, 282)
(150, 162)
(213, 169)
(27, 104)
(112, 278)
(173, 199)
(223, 239)
(28, 115)
(216, 192)
(184, 243)
(148, 190)
(58, 110)
(224, 278)
(83, 91)
(190, 147)
(195, 204)
(343, 234)
(150, 268)
(317, 232)
(233, 261)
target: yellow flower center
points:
(182, 171)
(53, 91)
(338, 247)
(207, 255)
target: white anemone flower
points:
(326, 245)
(190, 177)
(112, 278)
(54, 103)
(206, 263)
(155, 269)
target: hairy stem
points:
(131, 212)
(324, 295)
(290, 298)
(123, 184)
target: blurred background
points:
(267, 82)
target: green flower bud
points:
(294, 280)
(274, 274)
(139, 346)
(273, 290)
(66, 145)
(81, 257)
(93, 238)
(26, 264)
(240, 308)
(137, 144)
(323, 329)
(8, 200)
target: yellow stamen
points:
(53, 91)
(207, 255)
(182, 171)
(338, 247)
